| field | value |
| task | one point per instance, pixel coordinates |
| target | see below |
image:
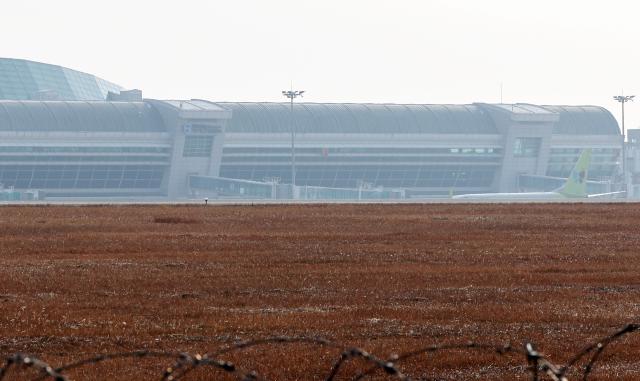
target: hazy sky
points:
(398, 51)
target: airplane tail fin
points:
(576, 185)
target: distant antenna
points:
(501, 102)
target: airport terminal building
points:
(71, 134)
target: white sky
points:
(398, 51)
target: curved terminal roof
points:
(584, 120)
(24, 80)
(76, 116)
(349, 118)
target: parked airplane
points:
(574, 187)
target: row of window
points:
(197, 146)
(224, 186)
(535, 183)
(527, 147)
(78, 177)
(595, 171)
(574, 159)
(351, 177)
(83, 159)
(360, 159)
(82, 178)
(577, 151)
(530, 147)
(38, 149)
(235, 187)
(359, 150)
(196, 128)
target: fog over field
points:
(406, 51)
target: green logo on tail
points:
(576, 185)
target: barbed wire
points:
(183, 363)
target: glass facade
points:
(78, 149)
(355, 118)
(584, 120)
(58, 147)
(244, 188)
(197, 146)
(71, 176)
(78, 167)
(470, 166)
(527, 147)
(80, 117)
(232, 186)
(28, 80)
(320, 193)
(604, 162)
(397, 167)
(425, 149)
(532, 183)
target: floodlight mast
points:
(624, 99)
(292, 94)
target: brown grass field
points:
(81, 281)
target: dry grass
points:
(78, 281)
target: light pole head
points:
(624, 98)
(292, 94)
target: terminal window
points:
(526, 147)
(197, 146)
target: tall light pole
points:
(624, 99)
(293, 94)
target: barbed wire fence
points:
(537, 365)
